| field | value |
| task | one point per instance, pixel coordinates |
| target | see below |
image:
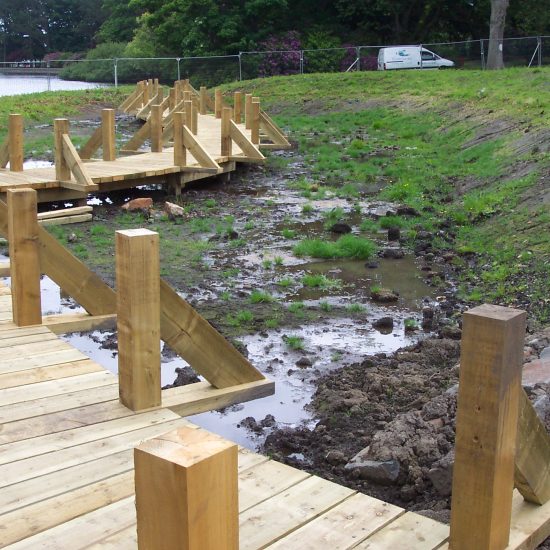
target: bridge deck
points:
(136, 169)
(67, 480)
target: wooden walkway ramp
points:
(67, 470)
(186, 143)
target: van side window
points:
(427, 56)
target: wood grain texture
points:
(487, 417)
(138, 318)
(15, 137)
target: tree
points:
(496, 34)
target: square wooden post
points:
(180, 153)
(24, 257)
(172, 100)
(188, 106)
(187, 95)
(146, 92)
(194, 116)
(108, 134)
(255, 122)
(15, 142)
(488, 398)
(138, 318)
(202, 100)
(248, 111)
(62, 169)
(186, 492)
(226, 132)
(218, 103)
(156, 129)
(237, 107)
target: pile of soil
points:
(386, 426)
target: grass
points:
(288, 233)
(242, 317)
(321, 281)
(286, 282)
(355, 308)
(347, 246)
(260, 297)
(295, 343)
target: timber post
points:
(138, 318)
(202, 100)
(486, 427)
(156, 129)
(24, 257)
(186, 492)
(108, 134)
(226, 132)
(237, 107)
(255, 122)
(172, 100)
(188, 106)
(248, 111)
(15, 137)
(62, 169)
(194, 116)
(218, 103)
(180, 153)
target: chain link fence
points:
(213, 70)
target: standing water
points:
(17, 84)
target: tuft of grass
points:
(410, 324)
(288, 233)
(355, 308)
(347, 246)
(286, 282)
(391, 221)
(240, 318)
(325, 306)
(293, 342)
(307, 208)
(320, 281)
(272, 323)
(278, 261)
(260, 297)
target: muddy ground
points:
(365, 374)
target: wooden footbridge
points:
(190, 136)
(90, 459)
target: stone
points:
(536, 372)
(372, 265)
(143, 204)
(173, 210)
(383, 323)
(424, 236)
(384, 472)
(407, 211)
(384, 295)
(542, 406)
(393, 253)
(304, 362)
(340, 228)
(451, 331)
(72, 238)
(335, 457)
(394, 234)
(441, 474)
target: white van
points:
(410, 57)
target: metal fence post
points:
(240, 67)
(358, 54)
(116, 72)
(49, 76)
(301, 61)
(539, 40)
(482, 51)
(179, 73)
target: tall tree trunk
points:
(496, 34)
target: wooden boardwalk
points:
(67, 479)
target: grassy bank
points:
(467, 150)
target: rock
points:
(335, 457)
(394, 234)
(545, 353)
(174, 210)
(372, 265)
(536, 372)
(451, 331)
(72, 238)
(304, 362)
(424, 236)
(232, 235)
(268, 422)
(383, 323)
(143, 204)
(542, 406)
(384, 472)
(384, 295)
(382, 211)
(407, 211)
(427, 317)
(184, 376)
(393, 253)
(441, 474)
(340, 228)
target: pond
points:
(17, 84)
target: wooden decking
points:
(133, 170)
(67, 479)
